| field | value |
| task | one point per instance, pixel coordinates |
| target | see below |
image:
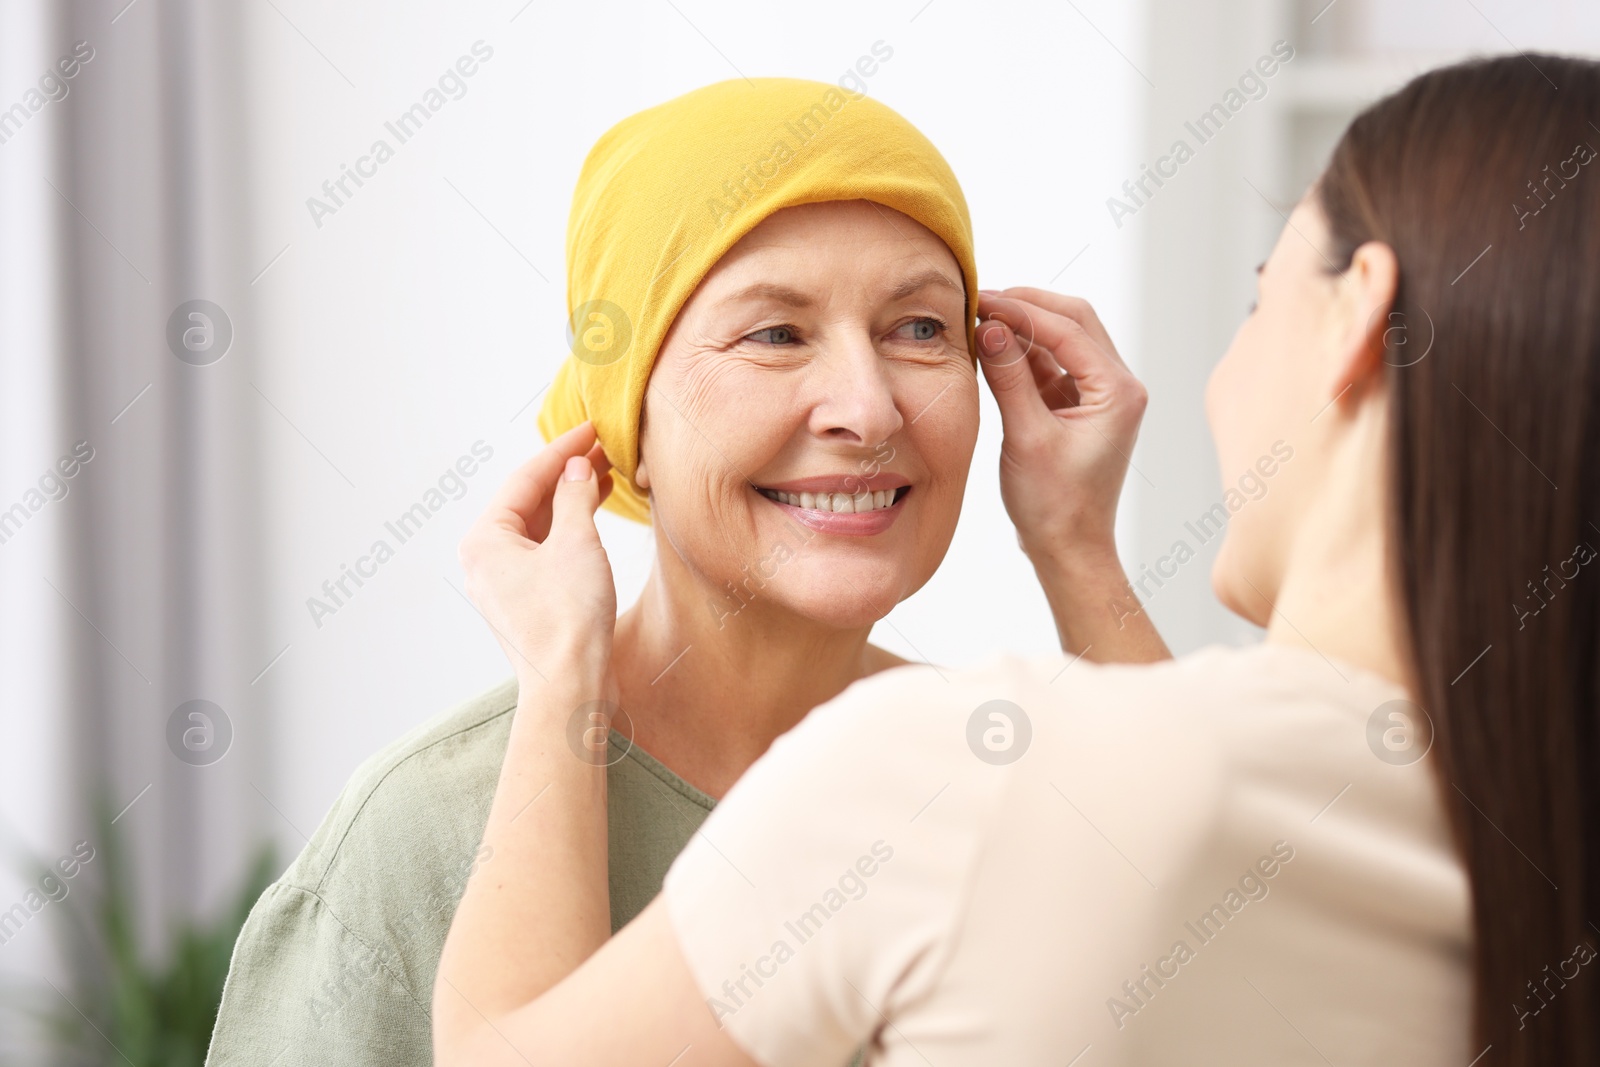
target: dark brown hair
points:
(1483, 178)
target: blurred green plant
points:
(118, 1006)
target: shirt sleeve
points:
(303, 989)
(823, 895)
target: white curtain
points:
(131, 586)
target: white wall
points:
(428, 312)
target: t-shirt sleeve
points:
(303, 989)
(335, 963)
(824, 894)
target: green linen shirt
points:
(335, 964)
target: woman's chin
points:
(1237, 595)
(839, 617)
(842, 598)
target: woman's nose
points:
(855, 401)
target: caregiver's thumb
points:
(577, 497)
(1010, 376)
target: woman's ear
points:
(641, 474)
(1365, 309)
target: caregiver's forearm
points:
(539, 904)
(1097, 613)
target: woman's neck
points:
(708, 691)
(1336, 595)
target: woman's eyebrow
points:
(770, 291)
(794, 298)
(918, 282)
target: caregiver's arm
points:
(634, 1001)
(537, 572)
(1071, 411)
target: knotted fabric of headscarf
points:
(665, 193)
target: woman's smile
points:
(850, 504)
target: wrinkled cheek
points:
(706, 514)
(944, 427)
(947, 396)
(701, 493)
(744, 418)
(945, 437)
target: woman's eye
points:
(923, 329)
(773, 335)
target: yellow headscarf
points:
(666, 192)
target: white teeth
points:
(836, 502)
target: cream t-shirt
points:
(1231, 858)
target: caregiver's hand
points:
(538, 903)
(1070, 409)
(534, 564)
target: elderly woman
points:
(772, 294)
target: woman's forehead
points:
(798, 247)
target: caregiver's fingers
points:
(1024, 414)
(598, 459)
(577, 498)
(1075, 308)
(1101, 378)
(1058, 388)
(521, 504)
(602, 468)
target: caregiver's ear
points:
(1364, 315)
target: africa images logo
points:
(1252, 85)
(1399, 732)
(199, 732)
(199, 332)
(999, 732)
